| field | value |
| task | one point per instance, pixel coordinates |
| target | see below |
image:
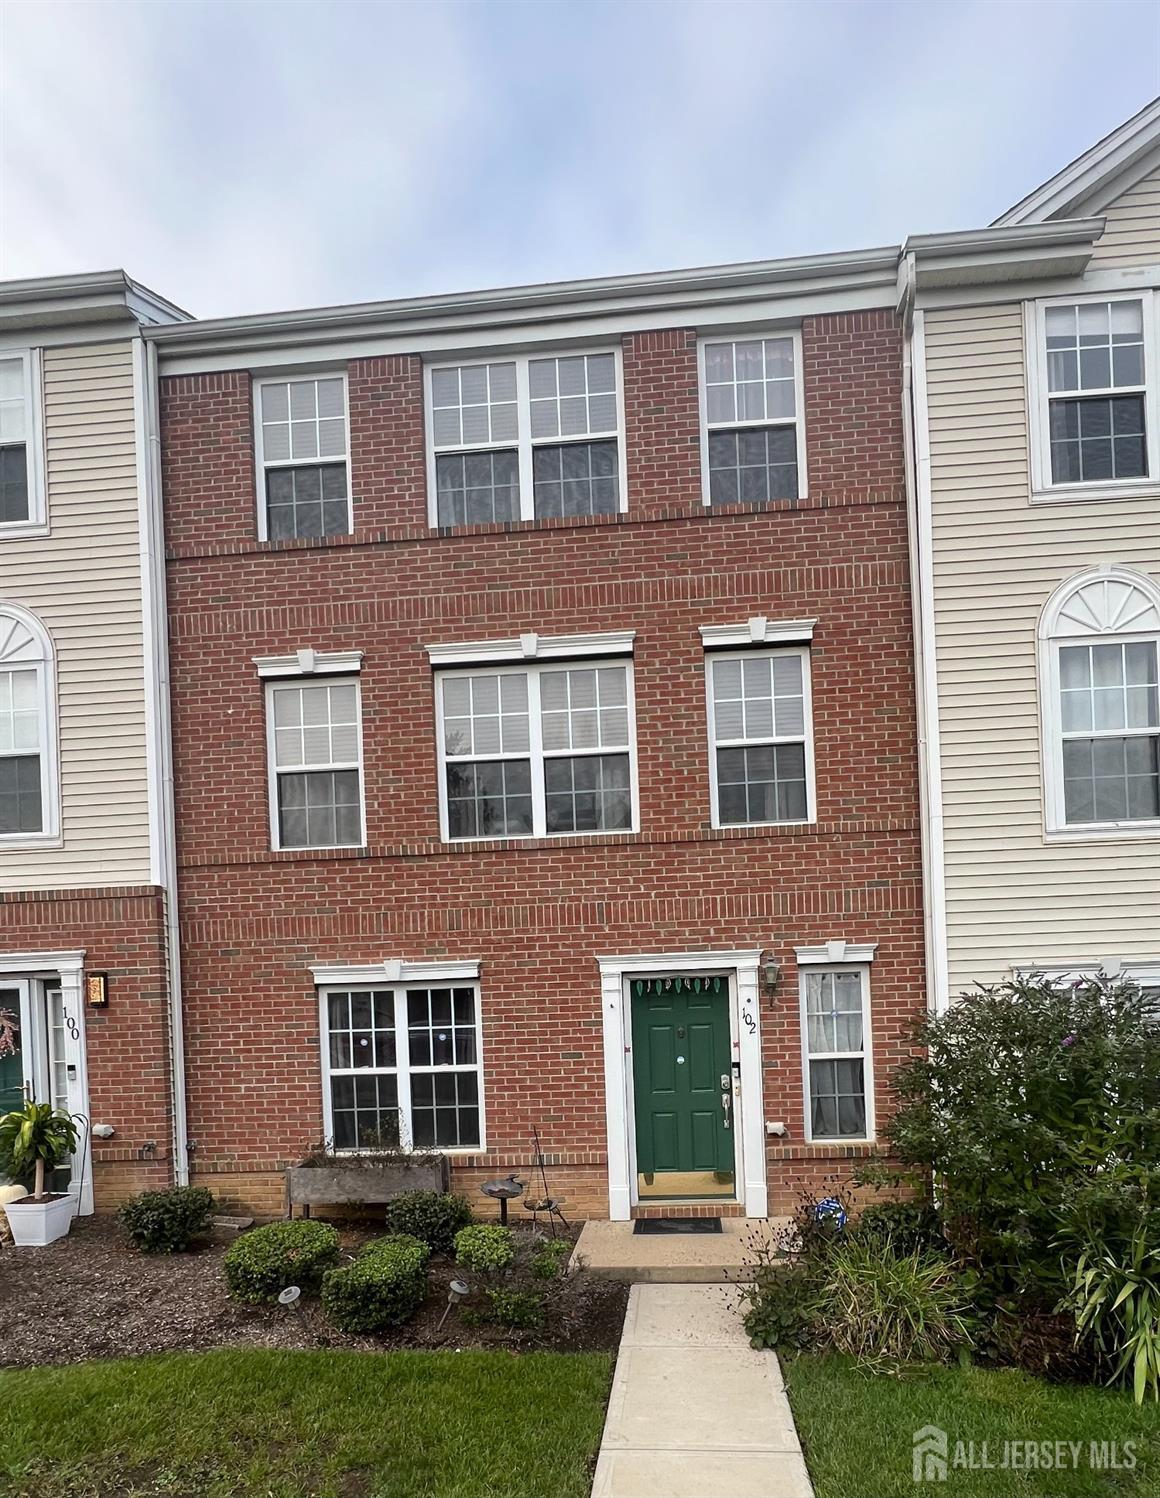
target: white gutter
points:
(162, 823)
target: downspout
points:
(167, 810)
(918, 506)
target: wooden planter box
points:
(357, 1184)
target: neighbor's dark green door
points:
(681, 1071)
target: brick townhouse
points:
(544, 724)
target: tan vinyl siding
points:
(1132, 235)
(83, 580)
(1011, 896)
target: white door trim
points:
(68, 969)
(745, 1027)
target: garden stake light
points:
(457, 1290)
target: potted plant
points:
(33, 1142)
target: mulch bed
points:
(92, 1295)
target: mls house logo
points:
(930, 1455)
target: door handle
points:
(727, 1106)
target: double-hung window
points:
(836, 1052)
(315, 745)
(1094, 398)
(752, 443)
(525, 439)
(761, 754)
(402, 1066)
(21, 489)
(27, 728)
(303, 460)
(537, 750)
(1100, 648)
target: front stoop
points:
(613, 1251)
(694, 1411)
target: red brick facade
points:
(537, 913)
(122, 933)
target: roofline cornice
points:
(87, 295)
(511, 306)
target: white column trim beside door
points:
(743, 966)
(68, 968)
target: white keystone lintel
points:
(757, 631)
(393, 970)
(309, 662)
(532, 647)
(833, 952)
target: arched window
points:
(27, 728)
(1100, 666)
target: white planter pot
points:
(35, 1224)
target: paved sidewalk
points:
(695, 1412)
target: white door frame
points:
(745, 1031)
(67, 970)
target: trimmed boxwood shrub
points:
(167, 1222)
(485, 1249)
(262, 1263)
(434, 1217)
(384, 1286)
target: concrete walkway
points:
(695, 1412)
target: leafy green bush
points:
(434, 1217)
(549, 1259)
(167, 1222)
(783, 1307)
(887, 1308)
(522, 1310)
(909, 1225)
(384, 1286)
(260, 1264)
(1026, 1092)
(484, 1248)
(1113, 1226)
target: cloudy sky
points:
(251, 155)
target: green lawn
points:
(857, 1428)
(292, 1424)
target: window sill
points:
(1105, 832)
(17, 530)
(15, 842)
(1080, 493)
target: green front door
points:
(683, 1085)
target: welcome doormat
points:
(649, 1227)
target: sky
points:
(257, 155)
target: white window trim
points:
(524, 443)
(798, 420)
(852, 961)
(535, 752)
(410, 975)
(532, 647)
(309, 662)
(1056, 827)
(260, 457)
(1143, 971)
(49, 732)
(37, 522)
(1043, 491)
(808, 712)
(272, 775)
